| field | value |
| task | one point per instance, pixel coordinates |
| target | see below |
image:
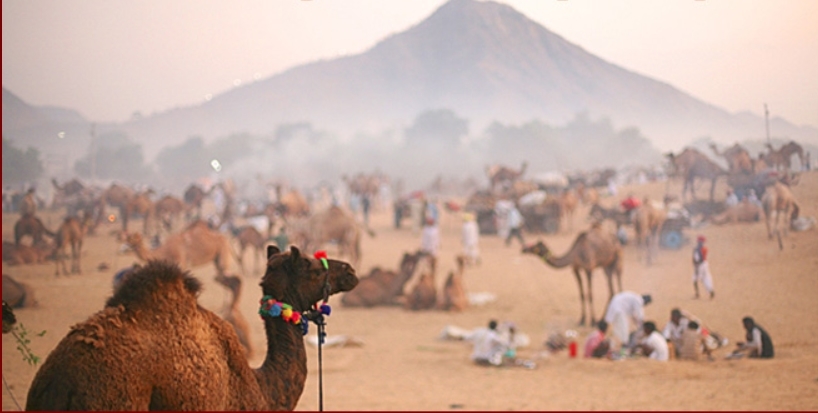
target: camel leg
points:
(581, 296)
(590, 297)
(79, 256)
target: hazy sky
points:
(111, 58)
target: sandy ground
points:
(403, 366)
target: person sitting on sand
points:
(596, 345)
(692, 344)
(489, 346)
(758, 345)
(654, 345)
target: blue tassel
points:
(305, 328)
(325, 309)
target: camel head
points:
(300, 280)
(9, 320)
(539, 249)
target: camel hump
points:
(157, 277)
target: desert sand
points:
(402, 365)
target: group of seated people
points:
(683, 338)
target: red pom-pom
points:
(320, 254)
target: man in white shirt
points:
(654, 345)
(675, 328)
(489, 346)
(624, 308)
(470, 238)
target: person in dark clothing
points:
(758, 344)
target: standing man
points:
(470, 238)
(515, 226)
(701, 268)
(624, 308)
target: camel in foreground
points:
(153, 347)
(17, 294)
(779, 204)
(232, 314)
(454, 292)
(195, 246)
(382, 287)
(591, 249)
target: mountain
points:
(483, 60)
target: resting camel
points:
(738, 159)
(591, 249)
(232, 314)
(647, 224)
(24, 254)
(779, 203)
(70, 233)
(692, 164)
(154, 347)
(249, 237)
(454, 292)
(423, 296)
(744, 211)
(195, 246)
(17, 294)
(32, 226)
(382, 287)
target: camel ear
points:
(272, 250)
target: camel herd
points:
(126, 356)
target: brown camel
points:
(232, 314)
(692, 164)
(454, 292)
(70, 233)
(332, 225)
(24, 254)
(32, 226)
(591, 249)
(249, 237)
(599, 213)
(568, 204)
(194, 196)
(744, 211)
(294, 204)
(781, 159)
(168, 210)
(738, 159)
(153, 347)
(17, 294)
(499, 174)
(647, 224)
(197, 245)
(779, 204)
(139, 204)
(382, 287)
(423, 296)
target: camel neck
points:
(284, 371)
(556, 262)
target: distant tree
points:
(20, 166)
(438, 126)
(184, 163)
(232, 148)
(114, 156)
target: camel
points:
(779, 202)
(232, 314)
(332, 224)
(197, 245)
(69, 188)
(168, 210)
(499, 174)
(294, 204)
(647, 224)
(139, 204)
(32, 226)
(153, 347)
(423, 296)
(600, 213)
(248, 236)
(568, 204)
(692, 164)
(70, 233)
(738, 159)
(194, 196)
(382, 287)
(17, 294)
(591, 249)
(744, 211)
(782, 158)
(24, 254)
(454, 293)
